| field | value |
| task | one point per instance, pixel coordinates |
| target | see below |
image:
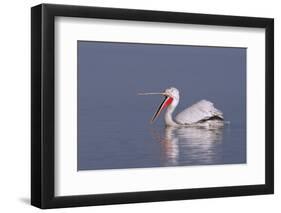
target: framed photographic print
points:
(140, 106)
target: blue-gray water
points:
(113, 122)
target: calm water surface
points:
(113, 121)
(164, 146)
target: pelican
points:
(202, 113)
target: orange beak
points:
(166, 102)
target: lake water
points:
(113, 121)
(158, 146)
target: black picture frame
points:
(43, 113)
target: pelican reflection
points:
(190, 146)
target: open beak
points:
(166, 102)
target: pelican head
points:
(171, 100)
(173, 93)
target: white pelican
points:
(202, 113)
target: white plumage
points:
(202, 113)
(199, 112)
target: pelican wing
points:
(200, 111)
